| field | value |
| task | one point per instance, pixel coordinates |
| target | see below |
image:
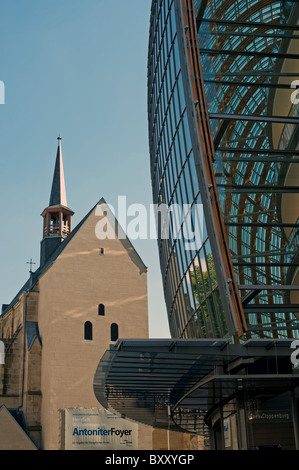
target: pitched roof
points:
(14, 435)
(35, 276)
(32, 332)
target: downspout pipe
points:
(23, 355)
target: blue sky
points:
(77, 69)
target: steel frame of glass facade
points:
(196, 288)
(223, 133)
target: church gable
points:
(88, 291)
(89, 271)
(100, 235)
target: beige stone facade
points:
(88, 291)
(56, 371)
(49, 364)
(70, 293)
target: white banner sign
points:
(95, 428)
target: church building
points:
(86, 293)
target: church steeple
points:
(57, 216)
(58, 193)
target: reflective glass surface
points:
(191, 290)
(249, 60)
(249, 56)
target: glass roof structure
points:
(249, 57)
(223, 139)
(223, 134)
(176, 384)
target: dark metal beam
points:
(258, 151)
(272, 308)
(259, 188)
(267, 265)
(250, 296)
(267, 287)
(250, 84)
(253, 117)
(220, 133)
(235, 22)
(260, 224)
(247, 34)
(243, 53)
(251, 73)
(259, 160)
(201, 11)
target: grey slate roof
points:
(34, 277)
(32, 332)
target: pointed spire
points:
(58, 193)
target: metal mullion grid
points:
(207, 266)
(163, 81)
(179, 301)
(165, 183)
(173, 275)
(207, 295)
(193, 175)
(242, 139)
(172, 119)
(174, 266)
(170, 171)
(174, 244)
(185, 288)
(187, 221)
(198, 310)
(194, 327)
(182, 253)
(174, 320)
(171, 148)
(165, 131)
(233, 42)
(178, 185)
(234, 12)
(182, 273)
(183, 186)
(190, 193)
(176, 190)
(179, 298)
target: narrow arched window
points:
(101, 310)
(88, 330)
(114, 332)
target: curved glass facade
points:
(248, 58)
(196, 301)
(174, 179)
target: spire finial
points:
(58, 193)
